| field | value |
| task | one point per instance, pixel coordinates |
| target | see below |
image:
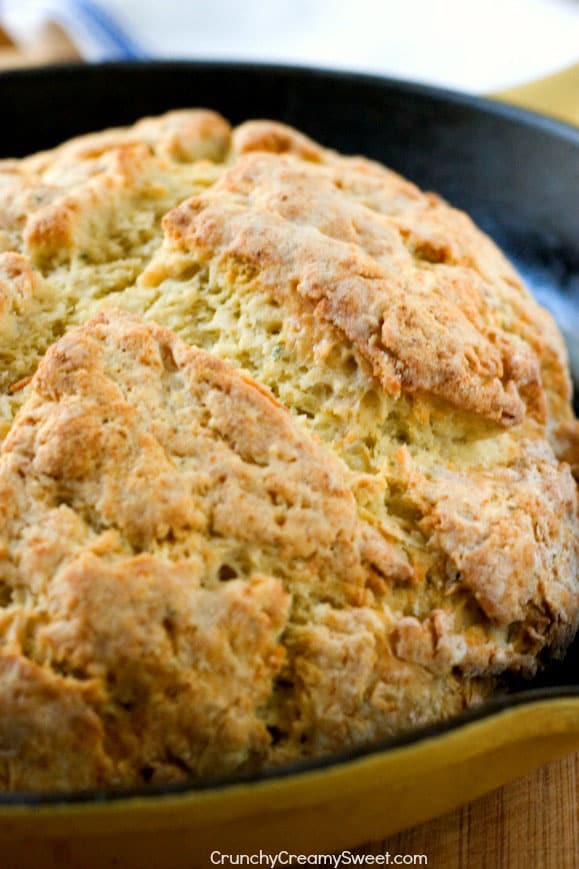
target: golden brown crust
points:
(50, 737)
(67, 202)
(138, 474)
(292, 226)
(352, 529)
(432, 232)
(509, 533)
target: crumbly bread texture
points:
(287, 457)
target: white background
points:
(474, 45)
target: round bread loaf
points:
(287, 459)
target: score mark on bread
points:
(283, 468)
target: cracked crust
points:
(285, 466)
(292, 227)
(160, 511)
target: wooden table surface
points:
(532, 823)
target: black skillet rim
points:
(492, 708)
(482, 104)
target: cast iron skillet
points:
(514, 172)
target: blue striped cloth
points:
(113, 37)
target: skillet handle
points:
(556, 95)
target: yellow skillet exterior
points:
(319, 811)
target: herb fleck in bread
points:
(286, 462)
